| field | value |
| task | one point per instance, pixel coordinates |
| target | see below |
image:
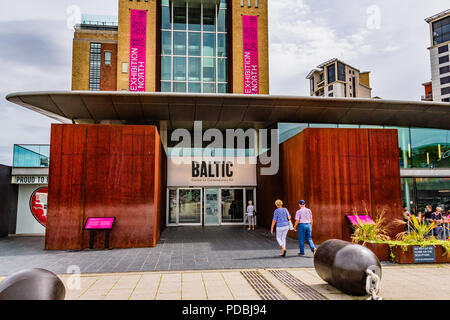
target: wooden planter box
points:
(381, 250)
(407, 257)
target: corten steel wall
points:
(8, 200)
(103, 171)
(338, 172)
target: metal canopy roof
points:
(230, 110)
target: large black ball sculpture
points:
(32, 284)
(343, 265)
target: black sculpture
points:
(344, 265)
(32, 284)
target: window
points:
(331, 94)
(341, 71)
(194, 46)
(330, 88)
(124, 67)
(443, 59)
(445, 91)
(428, 147)
(443, 70)
(445, 80)
(108, 55)
(331, 73)
(95, 66)
(312, 84)
(441, 31)
(446, 100)
(443, 49)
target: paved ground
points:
(398, 283)
(180, 249)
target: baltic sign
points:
(138, 47)
(217, 172)
(251, 63)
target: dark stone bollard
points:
(343, 265)
(32, 284)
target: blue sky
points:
(388, 38)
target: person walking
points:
(251, 216)
(303, 224)
(281, 218)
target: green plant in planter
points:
(364, 232)
(418, 236)
(418, 233)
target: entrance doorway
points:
(208, 206)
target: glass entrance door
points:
(232, 205)
(185, 206)
(212, 207)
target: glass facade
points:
(441, 31)
(95, 64)
(194, 47)
(417, 193)
(31, 156)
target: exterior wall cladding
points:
(106, 171)
(339, 172)
(119, 43)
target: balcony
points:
(428, 97)
(31, 156)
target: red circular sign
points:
(38, 205)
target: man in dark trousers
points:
(303, 223)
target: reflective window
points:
(195, 40)
(195, 87)
(331, 72)
(195, 16)
(445, 69)
(430, 148)
(166, 86)
(166, 68)
(166, 43)
(179, 87)
(209, 18)
(31, 156)
(179, 43)
(209, 88)
(194, 46)
(165, 18)
(179, 69)
(194, 69)
(222, 70)
(222, 88)
(222, 21)
(441, 31)
(209, 45)
(179, 16)
(443, 59)
(443, 49)
(341, 71)
(221, 45)
(209, 69)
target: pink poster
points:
(138, 47)
(251, 63)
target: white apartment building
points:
(440, 55)
(335, 78)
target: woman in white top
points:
(251, 216)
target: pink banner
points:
(99, 223)
(138, 48)
(355, 220)
(251, 63)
